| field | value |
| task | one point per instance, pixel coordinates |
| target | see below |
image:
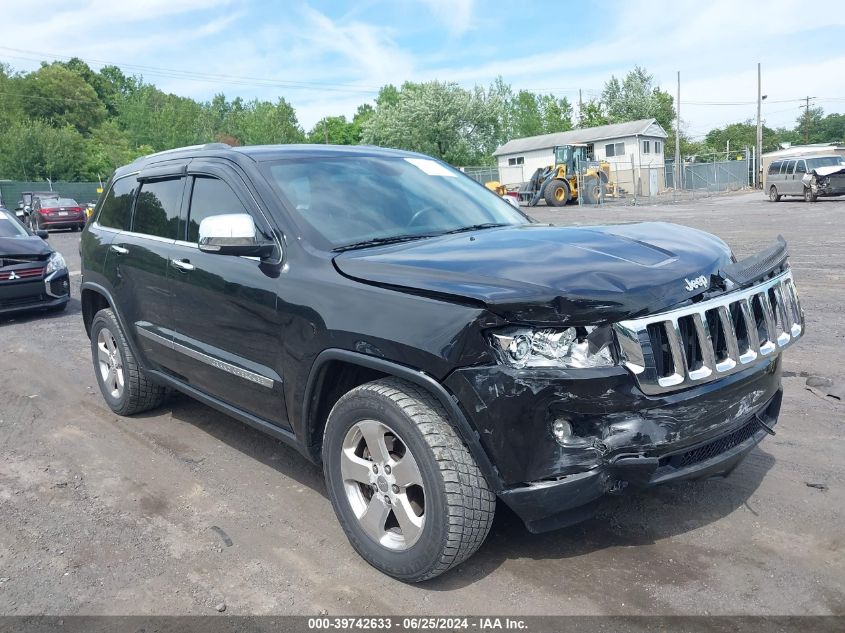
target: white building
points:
(634, 150)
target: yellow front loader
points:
(573, 174)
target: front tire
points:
(125, 388)
(556, 193)
(406, 490)
(809, 196)
(774, 196)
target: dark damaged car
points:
(426, 342)
(32, 275)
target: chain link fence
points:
(82, 192)
(643, 180)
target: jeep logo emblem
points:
(698, 282)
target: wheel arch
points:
(354, 368)
(94, 298)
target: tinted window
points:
(117, 206)
(800, 168)
(787, 167)
(210, 196)
(774, 168)
(157, 208)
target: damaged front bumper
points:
(622, 438)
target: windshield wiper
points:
(475, 227)
(379, 241)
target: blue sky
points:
(328, 57)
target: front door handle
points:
(119, 249)
(182, 264)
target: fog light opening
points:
(562, 430)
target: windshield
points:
(561, 155)
(10, 227)
(348, 200)
(825, 161)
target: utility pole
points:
(580, 109)
(678, 168)
(758, 182)
(806, 107)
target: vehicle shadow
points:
(638, 518)
(254, 444)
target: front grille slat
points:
(712, 338)
(25, 273)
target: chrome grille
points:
(713, 338)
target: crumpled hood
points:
(540, 274)
(24, 247)
(829, 170)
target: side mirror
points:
(233, 234)
(44, 235)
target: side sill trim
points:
(240, 372)
(255, 422)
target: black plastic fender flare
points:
(459, 420)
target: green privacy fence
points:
(82, 192)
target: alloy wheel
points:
(110, 363)
(383, 484)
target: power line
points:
(195, 75)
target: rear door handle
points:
(182, 264)
(119, 249)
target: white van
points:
(788, 176)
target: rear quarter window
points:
(116, 211)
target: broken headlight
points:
(572, 347)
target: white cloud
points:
(455, 15)
(325, 63)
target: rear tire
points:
(125, 388)
(774, 196)
(809, 196)
(407, 492)
(593, 190)
(556, 193)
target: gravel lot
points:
(100, 514)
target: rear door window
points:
(800, 167)
(787, 167)
(116, 211)
(157, 208)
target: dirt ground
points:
(108, 515)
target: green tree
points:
(363, 114)
(262, 122)
(36, 150)
(527, 119)
(442, 119)
(333, 129)
(556, 114)
(636, 97)
(592, 114)
(61, 97)
(741, 135)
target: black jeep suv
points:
(429, 344)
